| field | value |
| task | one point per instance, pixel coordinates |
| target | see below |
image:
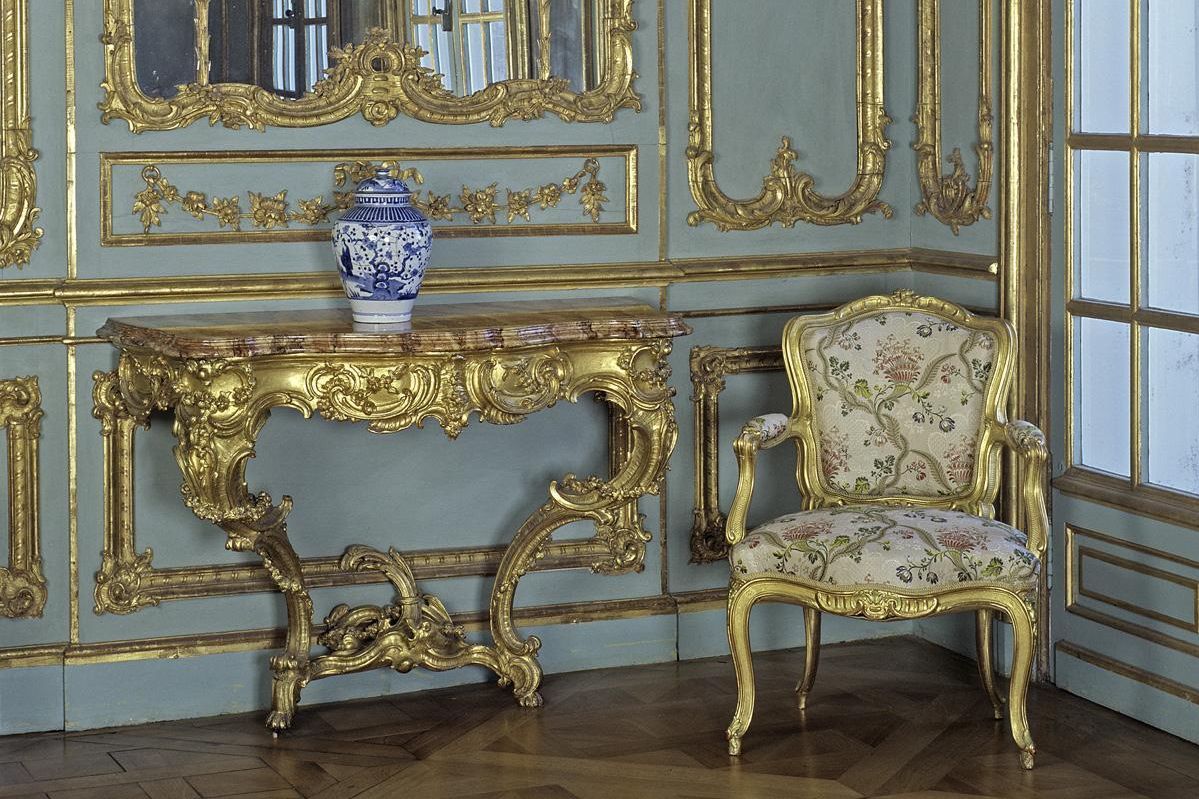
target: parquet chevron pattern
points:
(895, 718)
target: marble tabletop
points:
(449, 327)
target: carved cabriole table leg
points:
(221, 406)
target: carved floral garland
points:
(269, 211)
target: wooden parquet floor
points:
(895, 718)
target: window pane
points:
(1172, 399)
(1172, 90)
(1171, 225)
(1101, 386)
(1102, 226)
(1104, 77)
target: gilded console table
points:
(222, 374)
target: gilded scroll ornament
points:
(18, 214)
(948, 197)
(789, 196)
(709, 367)
(268, 211)
(22, 584)
(379, 79)
(221, 406)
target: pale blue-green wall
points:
(781, 67)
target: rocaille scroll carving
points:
(949, 197)
(789, 196)
(22, 583)
(18, 182)
(378, 78)
(221, 405)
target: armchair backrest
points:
(899, 399)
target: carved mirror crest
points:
(299, 63)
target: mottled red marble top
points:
(452, 327)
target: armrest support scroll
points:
(1028, 442)
(759, 433)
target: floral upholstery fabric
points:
(898, 401)
(900, 547)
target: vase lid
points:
(382, 183)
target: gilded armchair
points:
(899, 423)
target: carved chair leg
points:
(739, 607)
(986, 666)
(811, 656)
(1024, 648)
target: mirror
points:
(286, 46)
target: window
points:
(1133, 240)
(299, 44)
(474, 53)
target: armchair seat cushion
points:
(900, 547)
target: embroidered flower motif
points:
(898, 360)
(802, 532)
(834, 453)
(961, 540)
(959, 462)
(948, 372)
(917, 468)
(848, 340)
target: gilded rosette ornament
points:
(378, 78)
(789, 196)
(949, 197)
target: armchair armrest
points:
(1028, 442)
(759, 433)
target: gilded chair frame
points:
(887, 603)
(356, 83)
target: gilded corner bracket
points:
(128, 580)
(948, 197)
(789, 196)
(709, 367)
(379, 79)
(18, 213)
(22, 584)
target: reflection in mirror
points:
(284, 46)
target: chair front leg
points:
(741, 602)
(984, 624)
(1024, 637)
(811, 656)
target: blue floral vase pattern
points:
(382, 247)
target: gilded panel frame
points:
(356, 84)
(18, 212)
(585, 184)
(788, 196)
(129, 581)
(949, 197)
(22, 583)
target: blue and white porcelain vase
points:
(382, 248)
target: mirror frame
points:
(354, 86)
(18, 236)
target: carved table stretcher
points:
(221, 374)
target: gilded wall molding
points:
(128, 580)
(22, 584)
(18, 212)
(948, 197)
(268, 215)
(789, 196)
(379, 79)
(709, 367)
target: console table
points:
(222, 373)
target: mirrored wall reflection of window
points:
(283, 45)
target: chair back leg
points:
(811, 656)
(984, 625)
